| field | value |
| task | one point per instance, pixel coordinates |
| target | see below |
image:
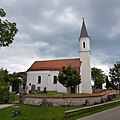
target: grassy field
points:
(50, 93)
(30, 112)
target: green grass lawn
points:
(30, 112)
(16, 97)
(51, 93)
(117, 97)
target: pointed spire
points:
(83, 30)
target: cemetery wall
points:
(89, 99)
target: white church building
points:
(43, 74)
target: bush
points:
(4, 94)
(110, 88)
(99, 90)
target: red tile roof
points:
(55, 64)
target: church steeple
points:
(84, 32)
(84, 40)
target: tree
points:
(7, 30)
(16, 78)
(108, 84)
(7, 79)
(69, 76)
(98, 77)
(114, 75)
(4, 75)
(3, 86)
(4, 94)
(15, 85)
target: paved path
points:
(5, 105)
(111, 114)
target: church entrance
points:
(73, 89)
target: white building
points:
(44, 73)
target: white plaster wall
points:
(32, 77)
(87, 44)
(85, 67)
(47, 78)
(86, 72)
(61, 88)
(78, 88)
(10, 88)
(51, 86)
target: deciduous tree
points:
(98, 77)
(108, 84)
(114, 75)
(69, 76)
(7, 30)
(3, 86)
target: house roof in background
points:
(55, 64)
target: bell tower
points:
(85, 71)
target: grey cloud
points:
(49, 29)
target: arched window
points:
(55, 80)
(83, 44)
(39, 79)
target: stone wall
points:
(89, 99)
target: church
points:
(43, 74)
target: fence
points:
(89, 107)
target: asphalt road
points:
(111, 114)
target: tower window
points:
(83, 44)
(55, 80)
(39, 79)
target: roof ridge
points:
(55, 64)
(56, 59)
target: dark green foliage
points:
(115, 75)
(108, 84)
(3, 86)
(69, 76)
(4, 75)
(7, 30)
(7, 79)
(15, 81)
(4, 94)
(98, 77)
(15, 85)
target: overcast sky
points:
(49, 29)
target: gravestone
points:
(33, 88)
(38, 89)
